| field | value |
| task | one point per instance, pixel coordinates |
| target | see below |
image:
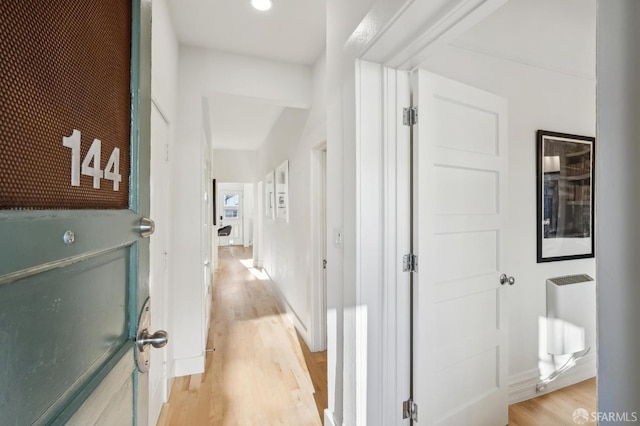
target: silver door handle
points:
(504, 279)
(158, 340)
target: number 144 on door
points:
(111, 172)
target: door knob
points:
(143, 339)
(158, 339)
(504, 279)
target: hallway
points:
(255, 370)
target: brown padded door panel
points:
(64, 65)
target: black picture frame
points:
(565, 194)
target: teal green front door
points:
(74, 186)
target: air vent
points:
(570, 279)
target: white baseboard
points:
(189, 366)
(289, 312)
(328, 418)
(170, 381)
(523, 386)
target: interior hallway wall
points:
(248, 216)
(342, 294)
(286, 247)
(618, 199)
(235, 165)
(164, 93)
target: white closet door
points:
(460, 371)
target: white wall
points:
(248, 214)
(187, 266)
(205, 71)
(286, 247)
(538, 99)
(164, 57)
(235, 166)
(617, 176)
(164, 93)
(342, 19)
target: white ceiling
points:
(240, 123)
(292, 31)
(557, 35)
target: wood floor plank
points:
(256, 372)
(317, 366)
(555, 408)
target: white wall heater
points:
(571, 320)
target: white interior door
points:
(231, 214)
(159, 248)
(460, 153)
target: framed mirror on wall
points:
(565, 196)
(282, 192)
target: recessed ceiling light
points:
(262, 4)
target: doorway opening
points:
(464, 191)
(235, 214)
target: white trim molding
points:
(317, 297)
(522, 386)
(419, 27)
(369, 307)
(396, 236)
(189, 366)
(328, 418)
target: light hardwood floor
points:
(256, 372)
(317, 365)
(555, 408)
(260, 372)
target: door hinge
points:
(410, 116)
(410, 410)
(410, 263)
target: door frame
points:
(161, 176)
(318, 296)
(384, 220)
(382, 63)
